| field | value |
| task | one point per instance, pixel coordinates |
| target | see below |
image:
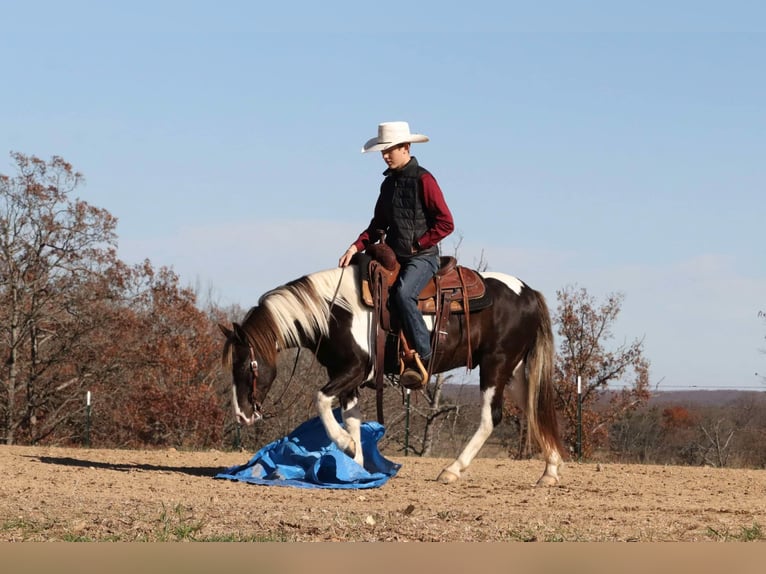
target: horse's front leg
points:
(352, 419)
(349, 439)
(337, 433)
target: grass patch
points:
(752, 533)
(26, 528)
(527, 535)
(746, 534)
(240, 538)
(174, 524)
(177, 525)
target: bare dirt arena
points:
(58, 494)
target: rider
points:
(412, 212)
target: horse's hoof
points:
(350, 449)
(547, 480)
(447, 477)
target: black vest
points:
(402, 194)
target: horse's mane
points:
(299, 310)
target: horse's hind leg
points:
(486, 425)
(518, 394)
(551, 476)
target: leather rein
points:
(258, 413)
(254, 371)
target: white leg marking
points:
(352, 418)
(478, 439)
(336, 433)
(551, 476)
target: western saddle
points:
(453, 289)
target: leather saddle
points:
(464, 287)
(453, 289)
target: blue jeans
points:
(414, 275)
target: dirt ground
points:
(58, 494)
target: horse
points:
(511, 343)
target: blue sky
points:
(608, 145)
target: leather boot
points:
(415, 374)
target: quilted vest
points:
(402, 194)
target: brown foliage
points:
(677, 417)
(75, 318)
(53, 250)
(162, 353)
(585, 327)
(714, 434)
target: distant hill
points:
(702, 397)
(469, 394)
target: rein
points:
(254, 370)
(329, 316)
(254, 363)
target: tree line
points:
(75, 318)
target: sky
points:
(614, 146)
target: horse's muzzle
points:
(249, 421)
(240, 415)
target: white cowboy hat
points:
(391, 134)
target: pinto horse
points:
(511, 343)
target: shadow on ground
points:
(128, 467)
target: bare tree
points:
(73, 317)
(716, 447)
(585, 327)
(54, 251)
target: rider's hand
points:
(346, 257)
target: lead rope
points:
(290, 380)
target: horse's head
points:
(252, 374)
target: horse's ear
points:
(228, 333)
(239, 335)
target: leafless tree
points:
(585, 327)
(54, 252)
(716, 446)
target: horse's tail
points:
(542, 423)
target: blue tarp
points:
(307, 458)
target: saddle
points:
(453, 289)
(464, 286)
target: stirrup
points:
(413, 376)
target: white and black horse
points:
(511, 343)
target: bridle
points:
(257, 412)
(254, 372)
